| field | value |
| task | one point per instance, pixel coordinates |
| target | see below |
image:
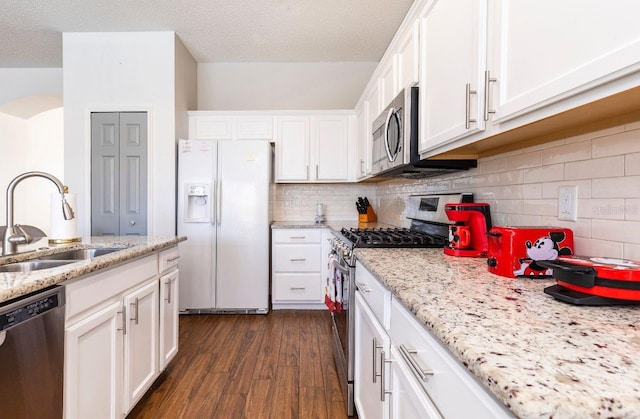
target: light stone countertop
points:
(16, 284)
(541, 357)
(333, 225)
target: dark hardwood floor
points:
(278, 365)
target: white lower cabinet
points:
(140, 342)
(93, 365)
(119, 335)
(371, 365)
(408, 399)
(168, 318)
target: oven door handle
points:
(341, 268)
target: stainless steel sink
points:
(33, 265)
(81, 254)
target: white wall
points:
(281, 86)
(186, 91)
(121, 72)
(22, 82)
(27, 145)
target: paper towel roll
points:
(63, 231)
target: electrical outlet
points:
(568, 203)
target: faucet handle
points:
(23, 238)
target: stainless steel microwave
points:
(395, 143)
(389, 131)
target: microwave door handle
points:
(392, 111)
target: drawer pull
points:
(173, 258)
(297, 288)
(383, 391)
(298, 260)
(298, 237)
(409, 355)
(375, 348)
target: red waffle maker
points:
(595, 280)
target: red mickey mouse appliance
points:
(518, 251)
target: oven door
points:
(343, 329)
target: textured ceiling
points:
(212, 30)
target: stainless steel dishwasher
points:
(32, 355)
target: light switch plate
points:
(568, 203)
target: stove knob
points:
(492, 262)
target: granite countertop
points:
(539, 356)
(333, 225)
(15, 284)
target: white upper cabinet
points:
(407, 57)
(292, 149)
(223, 125)
(452, 64)
(546, 51)
(313, 148)
(388, 81)
(331, 140)
(363, 155)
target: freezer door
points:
(196, 165)
(242, 224)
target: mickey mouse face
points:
(543, 249)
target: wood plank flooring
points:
(278, 365)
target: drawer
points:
(450, 381)
(378, 298)
(297, 235)
(291, 258)
(298, 287)
(168, 259)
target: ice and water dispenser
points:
(197, 203)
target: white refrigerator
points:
(223, 209)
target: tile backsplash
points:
(522, 188)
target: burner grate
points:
(392, 237)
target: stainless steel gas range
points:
(429, 229)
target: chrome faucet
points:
(12, 238)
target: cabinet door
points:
(388, 81)
(168, 318)
(292, 149)
(408, 399)
(211, 127)
(362, 148)
(371, 348)
(140, 342)
(452, 63)
(545, 51)
(407, 57)
(254, 128)
(93, 365)
(331, 138)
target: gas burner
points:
(391, 237)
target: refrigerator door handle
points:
(219, 202)
(212, 204)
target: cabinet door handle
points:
(135, 305)
(298, 260)
(316, 172)
(419, 371)
(362, 287)
(487, 80)
(124, 320)
(375, 348)
(362, 167)
(468, 120)
(168, 284)
(383, 391)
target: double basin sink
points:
(58, 259)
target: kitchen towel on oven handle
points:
(333, 286)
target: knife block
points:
(369, 217)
